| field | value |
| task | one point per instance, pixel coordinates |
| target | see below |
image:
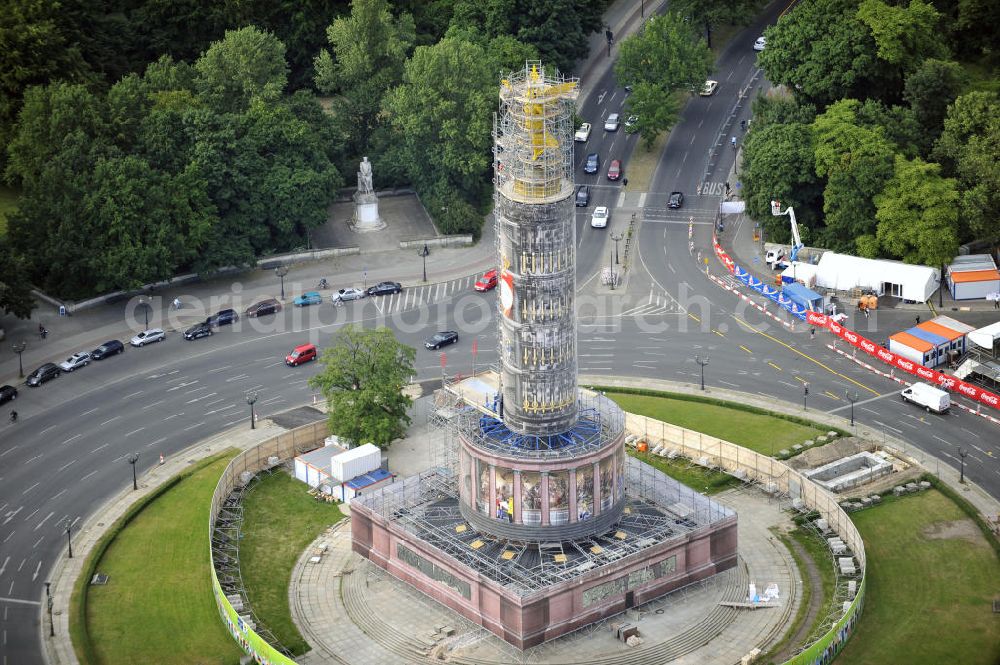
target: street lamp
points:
(610, 37)
(642, 8)
(702, 361)
(423, 253)
(251, 397)
(805, 396)
(48, 601)
(962, 454)
(281, 271)
(145, 310)
(19, 349)
(69, 541)
(852, 398)
(132, 459)
(617, 237)
(611, 267)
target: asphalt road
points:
(69, 452)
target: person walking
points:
(732, 141)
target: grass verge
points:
(159, 587)
(695, 477)
(931, 581)
(755, 429)
(279, 520)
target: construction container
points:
(356, 462)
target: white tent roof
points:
(356, 453)
(986, 337)
(843, 272)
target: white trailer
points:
(927, 396)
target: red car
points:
(487, 282)
(615, 170)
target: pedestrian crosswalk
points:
(413, 297)
(657, 302)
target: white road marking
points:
(88, 475)
(13, 448)
(193, 426)
(110, 420)
(138, 392)
(67, 464)
(198, 399)
(237, 378)
(40, 524)
(135, 431)
(100, 448)
(150, 406)
(87, 413)
(37, 568)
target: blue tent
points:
(805, 297)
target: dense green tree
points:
(665, 57)
(15, 287)
(246, 64)
(930, 89)
(778, 106)
(778, 164)
(918, 214)
(823, 51)
(431, 18)
(442, 113)
(904, 36)
(856, 162)
(710, 15)
(363, 376)
(898, 124)
(969, 149)
(369, 48)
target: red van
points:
(301, 354)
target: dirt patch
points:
(964, 529)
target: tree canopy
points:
(363, 376)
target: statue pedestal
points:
(366, 217)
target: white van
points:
(927, 396)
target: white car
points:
(583, 133)
(709, 88)
(599, 219)
(148, 337)
(611, 123)
(760, 43)
(81, 359)
(346, 295)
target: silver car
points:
(81, 359)
(345, 295)
(148, 337)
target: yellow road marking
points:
(746, 349)
(831, 395)
(799, 378)
(807, 357)
(717, 332)
(694, 317)
(774, 366)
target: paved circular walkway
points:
(353, 612)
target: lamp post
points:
(962, 454)
(19, 349)
(69, 541)
(610, 37)
(617, 238)
(611, 267)
(702, 361)
(423, 253)
(805, 396)
(281, 271)
(48, 601)
(145, 310)
(642, 8)
(251, 397)
(852, 398)
(132, 459)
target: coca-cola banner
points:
(721, 253)
(895, 360)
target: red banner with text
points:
(895, 360)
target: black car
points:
(676, 200)
(42, 374)
(110, 348)
(198, 330)
(225, 317)
(7, 394)
(443, 338)
(385, 289)
(583, 196)
(263, 308)
(593, 163)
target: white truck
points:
(927, 396)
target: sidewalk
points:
(988, 506)
(58, 650)
(89, 328)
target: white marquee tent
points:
(843, 272)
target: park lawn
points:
(762, 433)
(928, 600)
(158, 605)
(279, 521)
(691, 475)
(8, 203)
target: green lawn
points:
(929, 600)
(762, 433)
(8, 202)
(683, 471)
(279, 520)
(158, 606)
